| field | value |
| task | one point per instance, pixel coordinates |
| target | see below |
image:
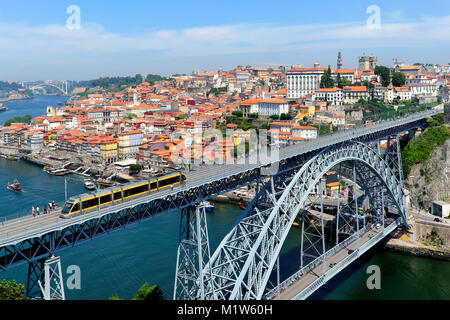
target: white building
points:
(333, 95)
(423, 90)
(402, 93)
(440, 209)
(301, 81)
(305, 132)
(351, 95)
(269, 107)
(348, 74)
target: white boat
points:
(208, 206)
(89, 184)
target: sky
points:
(42, 40)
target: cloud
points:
(21, 42)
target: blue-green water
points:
(34, 107)
(119, 263)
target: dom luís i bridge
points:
(335, 230)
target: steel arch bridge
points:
(62, 87)
(241, 266)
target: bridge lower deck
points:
(292, 291)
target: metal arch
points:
(242, 264)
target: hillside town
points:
(152, 124)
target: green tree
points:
(135, 168)
(11, 290)
(285, 116)
(274, 117)
(237, 113)
(384, 73)
(326, 81)
(398, 79)
(24, 119)
(343, 82)
(149, 293)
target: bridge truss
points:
(241, 266)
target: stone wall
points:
(421, 229)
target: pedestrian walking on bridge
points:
(33, 211)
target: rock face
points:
(430, 181)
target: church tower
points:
(339, 61)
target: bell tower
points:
(339, 61)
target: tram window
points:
(135, 190)
(117, 195)
(90, 203)
(76, 207)
(67, 207)
(153, 185)
(106, 198)
(168, 181)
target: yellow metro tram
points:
(89, 202)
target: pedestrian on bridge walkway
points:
(33, 211)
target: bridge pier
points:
(45, 279)
(192, 256)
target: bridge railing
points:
(341, 264)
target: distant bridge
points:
(61, 86)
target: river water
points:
(119, 263)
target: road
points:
(294, 289)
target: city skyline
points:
(149, 38)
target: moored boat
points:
(208, 206)
(58, 172)
(89, 184)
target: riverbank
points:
(405, 246)
(9, 99)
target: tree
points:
(384, 73)
(149, 293)
(24, 119)
(326, 81)
(237, 113)
(343, 82)
(135, 168)
(398, 79)
(274, 117)
(11, 290)
(285, 116)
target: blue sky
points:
(162, 37)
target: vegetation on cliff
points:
(419, 149)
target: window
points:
(135, 190)
(105, 199)
(87, 204)
(76, 207)
(117, 195)
(67, 207)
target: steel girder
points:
(44, 246)
(241, 265)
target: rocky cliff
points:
(430, 181)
